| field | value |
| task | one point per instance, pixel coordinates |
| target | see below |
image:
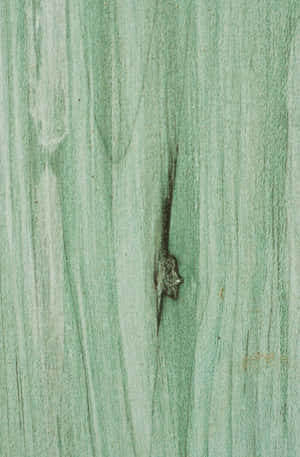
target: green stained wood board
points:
(132, 132)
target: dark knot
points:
(168, 278)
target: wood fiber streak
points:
(100, 103)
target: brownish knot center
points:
(169, 278)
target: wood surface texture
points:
(133, 131)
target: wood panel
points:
(130, 132)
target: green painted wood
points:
(95, 98)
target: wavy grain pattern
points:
(101, 102)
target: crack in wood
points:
(167, 279)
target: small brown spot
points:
(255, 309)
(221, 292)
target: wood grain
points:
(96, 97)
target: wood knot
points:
(168, 278)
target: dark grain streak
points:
(166, 275)
(20, 399)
